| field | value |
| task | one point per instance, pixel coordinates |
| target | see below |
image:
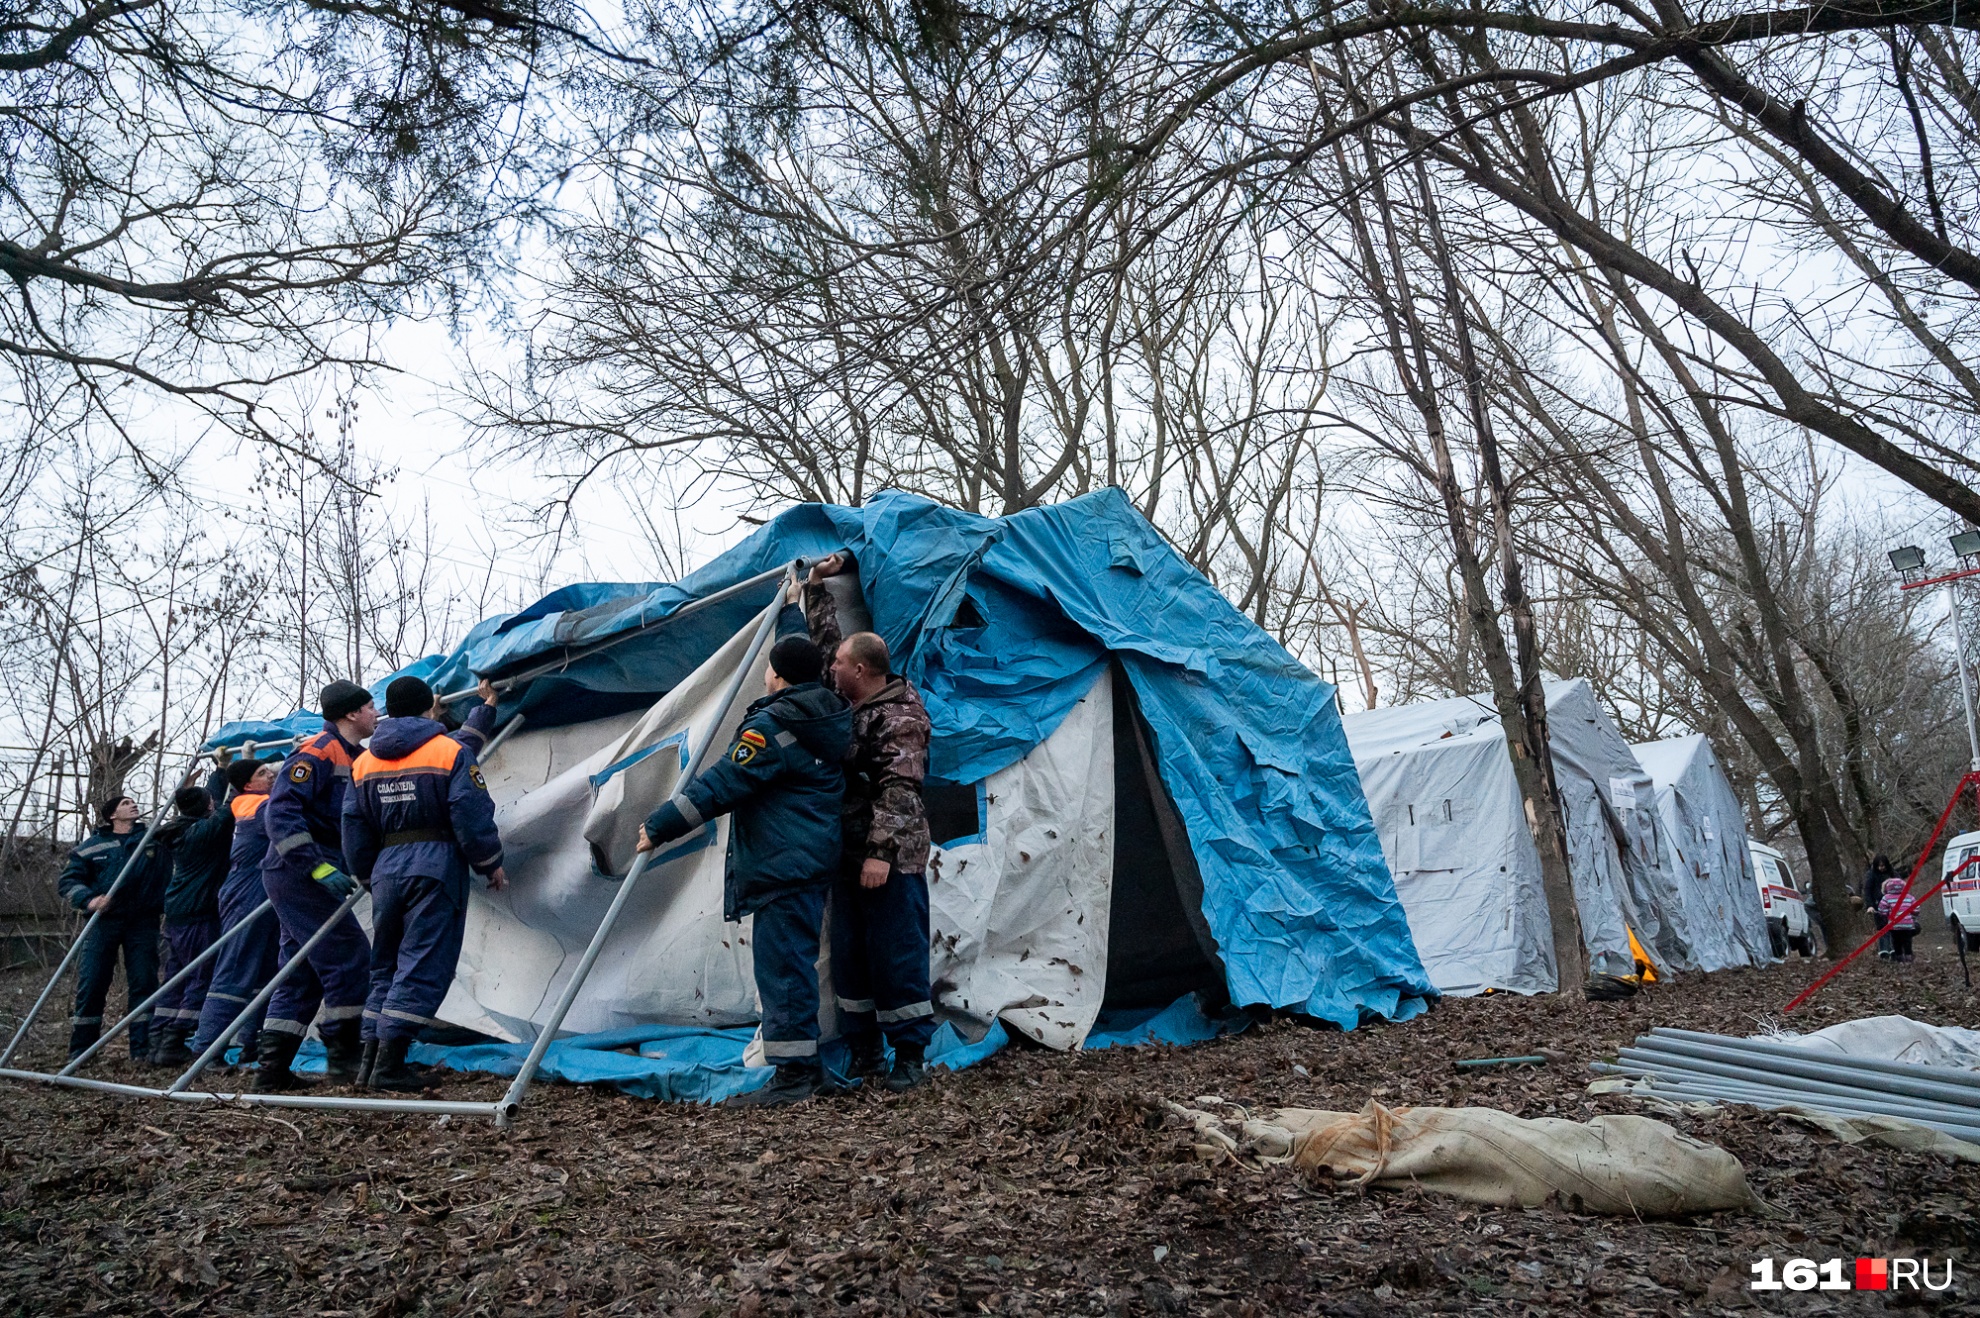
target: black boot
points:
(278, 1049)
(393, 1071)
(367, 1063)
(343, 1055)
(909, 1068)
(168, 1047)
(140, 1037)
(794, 1083)
(82, 1036)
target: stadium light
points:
(1966, 544)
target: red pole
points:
(1902, 910)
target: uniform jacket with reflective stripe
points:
(422, 787)
(199, 857)
(95, 864)
(305, 810)
(782, 778)
(250, 836)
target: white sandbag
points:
(1612, 1164)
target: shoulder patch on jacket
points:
(753, 737)
(745, 750)
(474, 776)
(299, 771)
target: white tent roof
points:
(1440, 785)
(1705, 825)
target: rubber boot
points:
(794, 1083)
(393, 1071)
(140, 1036)
(168, 1048)
(82, 1036)
(909, 1068)
(367, 1063)
(278, 1050)
(343, 1056)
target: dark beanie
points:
(341, 699)
(241, 772)
(192, 802)
(407, 697)
(796, 660)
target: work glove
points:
(335, 882)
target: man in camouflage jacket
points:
(879, 919)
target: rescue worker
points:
(303, 872)
(417, 819)
(248, 961)
(880, 904)
(782, 779)
(129, 923)
(199, 836)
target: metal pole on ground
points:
(506, 1110)
(219, 1045)
(75, 948)
(77, 1062)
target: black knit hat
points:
(241, 772)
(193, 801)
(341, 699)
(407, 697)
(796, 660)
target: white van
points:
(1783, 900)
(1960, 898)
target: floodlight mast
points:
(1909, 562)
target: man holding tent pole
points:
(303, 872)
(246, 964)
(416, 820)
(880, 906)
(128, 923)
(200, 836)
(782, 779)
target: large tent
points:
(1439, 781)
(1704, 824)
(1135, 792)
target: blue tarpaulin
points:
(1003, 624)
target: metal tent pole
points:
(76, 1063)
(506, 1111)
(1788, 1052)
(219, 1045)
(75, 948)
(692, 606)
(512, 726)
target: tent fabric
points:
(1703, 822)
(1006, 626)
(1440, 785)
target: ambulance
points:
(1960, 898)
(1785, 903)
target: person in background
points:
(129, 919)
(417, 820)
(247, 962)
(1874, 878)
(782, 778)
(199, 836)
(305, 878)
(1906, 926)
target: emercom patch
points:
(299, 771)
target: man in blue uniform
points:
(129, 924)
(199, 836)
(782, 778)
(304, 875)
(247, 962)
(417, 819)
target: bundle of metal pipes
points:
(1690, 1067)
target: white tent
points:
(1439, 781)
(1704, 824)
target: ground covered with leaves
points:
(1034, 1184)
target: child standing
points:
(1905, 928)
